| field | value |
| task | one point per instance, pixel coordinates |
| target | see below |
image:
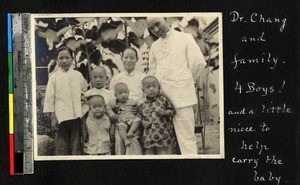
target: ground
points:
(212, 139)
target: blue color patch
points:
(9, 32)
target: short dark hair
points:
(121, 84)
(100, 68)
(96, 96)
(132, 49)
(63, 48)
(150, 77)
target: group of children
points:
(108, 117)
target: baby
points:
(156, 114)
(128, 123)
(98, 127)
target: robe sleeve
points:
(195, 58)
(83, 84)
(49, 103)
(152, 62)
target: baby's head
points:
(97, 106)
(129, 58)
(98, 77)
(64, 57)
(121, 92)
(151, 86)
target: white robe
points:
(176, 60)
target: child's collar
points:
(152, 99)
(117, 101)
(129, 74)
(100, 88)
(101, 118)
(62, 70)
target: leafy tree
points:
(90, 39)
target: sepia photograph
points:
(127, 86)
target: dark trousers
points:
(67, 139)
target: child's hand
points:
(162, 112)
(146, 124)
(116, 110)
(54, 122)
(130, 134)
(83, 99)
(113, 118)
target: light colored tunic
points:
(133, 81)
(176, 60)
(98, 131)
(63, 94)
(107, 95)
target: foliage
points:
(44, 121)
(93, 39)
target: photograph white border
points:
(130, 157)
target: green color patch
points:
(10, 73)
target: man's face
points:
(158, 27)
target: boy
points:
(98, 127)
(98, 80)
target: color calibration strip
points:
(16, 146)
(20, 112)
(10, 97)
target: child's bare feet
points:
(127, 142)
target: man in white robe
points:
(176, 60)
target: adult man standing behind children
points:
(176, 60)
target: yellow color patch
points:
(11, 113)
